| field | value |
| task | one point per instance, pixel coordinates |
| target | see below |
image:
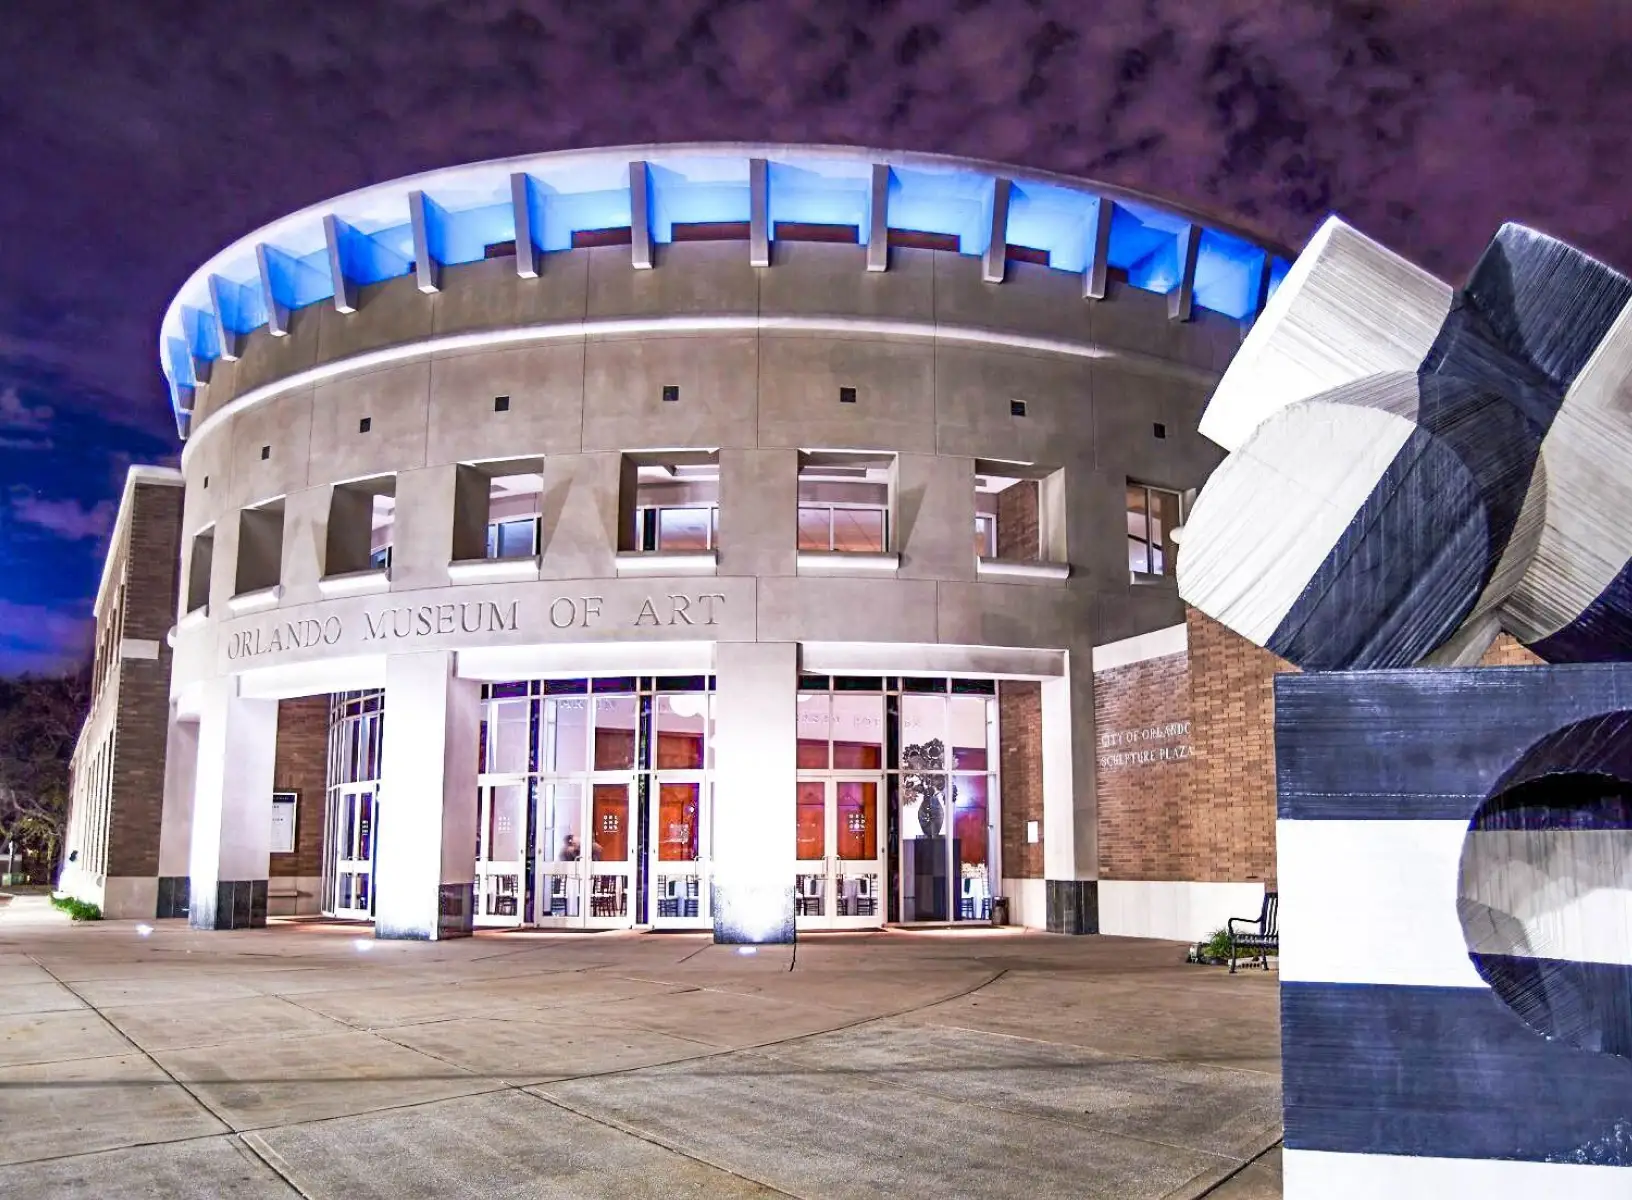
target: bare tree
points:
(40, 718)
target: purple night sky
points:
(139, 138)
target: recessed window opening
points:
(513, 503)
(361, 516)
(671, 393)
(1019, 512)
(1017, 408)
(847, 395)
(1153, 514)
(998, 497)
(501, 403)
(383, 518)
(266, 453)
(844, 506)
(200, 561)
(677, 506)
(260, 547)
(1159, 429)
(365, 424)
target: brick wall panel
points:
(301, 766)
(1020, 737)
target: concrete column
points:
(176, 818)
(232, 809)
(755, 759)
(422, 534)
(759, 506)
(425, 855)
(1070, 806)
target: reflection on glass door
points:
(611, 854)
(500, 833)
(354, 816)
(559, 880)
(839, 877)
(946, 821)
(678, 841)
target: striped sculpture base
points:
(1455, 872)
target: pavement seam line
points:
(1184, 1192)
(227, 1126)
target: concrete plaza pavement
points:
(307, 1059)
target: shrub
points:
(1217, 946)
(79, 910)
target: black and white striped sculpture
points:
(1413, 469)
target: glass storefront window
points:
(615, 733)
(815, 717)
(509, 735)
(563, 735)
(858, 732)
(683, 729)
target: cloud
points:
(41, 640)
(18, 416)
(65, 518)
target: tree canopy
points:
(40, 717)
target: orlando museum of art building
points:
(661, 536)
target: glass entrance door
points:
(679, 842)
(501, 833)
(583, 875)
(354, 816)
(839, 875)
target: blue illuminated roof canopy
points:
(369, 235)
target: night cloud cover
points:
(139, 138)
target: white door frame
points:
(680, 886)
(500, 882)
(351, 858)
(834, 892)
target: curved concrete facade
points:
(939, 381)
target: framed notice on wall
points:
(283, 822)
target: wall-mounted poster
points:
(283, 822)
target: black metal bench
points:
(1267, 935)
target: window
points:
(260, 547)
(513, 538)
(361, 517)
(1153, 514)
(676, 504)
(513, 503)
(986, 535)
(844, 505)
(200, 562)
(687, 527)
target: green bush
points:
(79, 910)
(1218, 946)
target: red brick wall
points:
(146, 563)
(1142, 744)
(1228, 827)
(1020, 736)
(1017, 522)
(301, 766)
(1508, 651)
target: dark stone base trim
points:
(173, 890)
(456, 910)
(238, 904)
(1073, 905)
